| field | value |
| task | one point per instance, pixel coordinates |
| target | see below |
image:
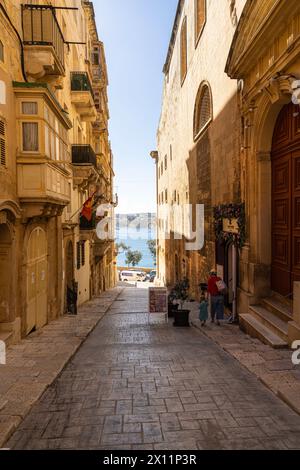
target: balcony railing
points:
(80, 82)
(41, 28)
(83, 155)
(88, 224)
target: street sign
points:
(158, 302)
(231, 226)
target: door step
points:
(280, 309)
(271, 321)
(254, 327)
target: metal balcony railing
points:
(88, 224)
(83, 155)
(40, 27)
(80, 82)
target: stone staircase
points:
(268, 321)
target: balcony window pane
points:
(52, 143)
(47, 141)
(30, 108)
(57, 148)
(46, 113)
(30, 137)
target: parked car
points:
(152, 276)
(132, 276)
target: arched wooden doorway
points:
(286, 201)
(37, 273)
(5, 272)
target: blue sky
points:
(136, 35)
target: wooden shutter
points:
(2, 143)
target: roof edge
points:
(173, 36)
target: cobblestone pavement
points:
(138, 386)
(273, 367)
(34, 363)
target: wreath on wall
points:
(231, 211)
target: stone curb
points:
(289, 393)
(11, 415)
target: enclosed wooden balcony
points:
(44, 189)
(83, 96)
(44, 44)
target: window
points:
(161, 168)
(96, 56)
(29, 108)
(166, 196)
(2, 143)
(203, 110)
(183, 51)
(200, 18)
(78, 253)
(83, 253)
(56, 137)
(171, 153)
(1, 52)
(166, 162)
(30, 136)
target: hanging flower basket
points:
(230, 212)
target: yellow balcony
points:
(43, 155)
(83, 97)
(43, 188)
(101, 248)
(43, 40)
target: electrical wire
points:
(20, 40)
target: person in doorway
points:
(203, 310)
(217, 298)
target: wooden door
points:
(286, 202)
(36, 316)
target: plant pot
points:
(181, 318)
(171, 309)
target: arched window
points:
(183, 51)
(203, 110)
(200, 18)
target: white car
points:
(132, 276)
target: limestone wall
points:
(208, 170)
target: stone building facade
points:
(229, 138)
(199, 134)
(55, 154)
(265, 57)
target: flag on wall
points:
(87, 210)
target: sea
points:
(134, 230)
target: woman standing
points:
(217, 298)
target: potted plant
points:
(181, 316)
(172, 305)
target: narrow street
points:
(138, 386)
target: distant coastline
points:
(134, 230)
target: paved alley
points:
(137, 386)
